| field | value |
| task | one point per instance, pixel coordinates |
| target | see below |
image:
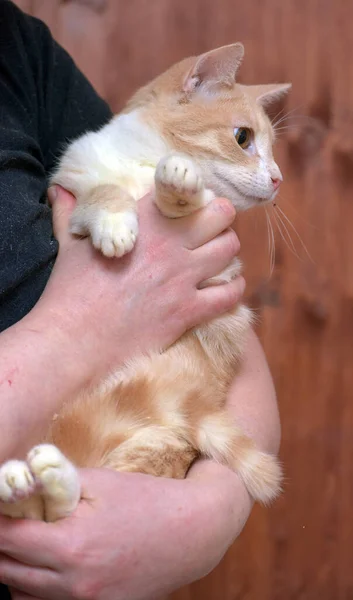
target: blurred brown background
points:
(302, 548)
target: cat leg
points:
(108, 214)
(153, 451)
(220, 440)
(18, 492)
(180, 189)
(57, 479)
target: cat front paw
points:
(16, 481)
(113, 233)
(179, 186)
(180, 174)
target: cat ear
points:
(266, 94)
(215, 68)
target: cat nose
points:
(276, 183)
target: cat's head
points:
(199, 109)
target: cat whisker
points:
(285, 127)
(284, 216)
(293, 208)
(289, 114)
(282, 131)
(273, 120)
(289, 126)
(292, 118)
(284, 233)
(294, 123)
(271, 243)
(285, 122)
(284, 118)
(281, 120)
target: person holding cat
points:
(136, 536)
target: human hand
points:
(113, 309)
(96, 313)
(168, 532)
(135, 537)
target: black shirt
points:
(44, 102)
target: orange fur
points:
(160, 412)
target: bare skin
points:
(144, 301)
(177, 534)
(182, 529)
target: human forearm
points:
(252, 400)
(219, 520)
(39, 370)
(189, 526)
(253, 405)
(95, 313)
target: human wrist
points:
(58, 346)
(38, 374)
(76, 327)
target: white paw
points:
(180, 174)
(114, 234)
(50, 468)
(57, 479)
(16, 481)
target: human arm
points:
(252, 403)
(96, 313)
(198, 499)
(45, 103)
(167, 533)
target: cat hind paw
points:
(16, 481)
(57, 479)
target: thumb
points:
(63, 204)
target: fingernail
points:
(52, 193)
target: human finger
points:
(194, 230)
(18, 537)
(204, 225)
(33, 581)
(215, 256)
(217, 300)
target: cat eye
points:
(243, 135)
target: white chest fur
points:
(125, 152)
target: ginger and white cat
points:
(194, 133)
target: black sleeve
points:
(44, 103)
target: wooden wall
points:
(302, 548)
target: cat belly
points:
(156, 417)
(163, 411)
